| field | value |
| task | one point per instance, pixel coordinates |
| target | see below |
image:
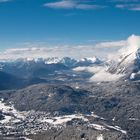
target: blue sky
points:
(66, 22)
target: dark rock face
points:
(1, 115)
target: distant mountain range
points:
(67, 61)
(23, 72)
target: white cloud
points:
(111, 44)
(132, 7)
(70, 4)
(88, 6)
(105, 76)
(93, 70)
(133, 44)
(61, 4)
(125, 1)
(2, 1)
(42, 50)
(99, 73)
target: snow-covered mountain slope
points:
(128, 60)
(54, 60)
(125, 64)
(66, 61)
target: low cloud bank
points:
(101, 49)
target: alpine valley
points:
(64, 98)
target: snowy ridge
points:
(50, 60)
(100, 137)
(67, 61)
(125, 64)
(128, 62)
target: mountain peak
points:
(128, 59)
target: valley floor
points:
(93, 114)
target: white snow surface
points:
(100, 137)
(89, 59)
(55, 121)
(105, 76)
(11, 110)
(132, 76)
(100, 73)
(6, 119)
(97, 127)
(117, 128)
(96, 116)
(63, 119)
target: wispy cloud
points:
(70, 4)
(125, 1)
(132, 7)
(3, 1)
(55, 51)
(111, 44)
(61, 4)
